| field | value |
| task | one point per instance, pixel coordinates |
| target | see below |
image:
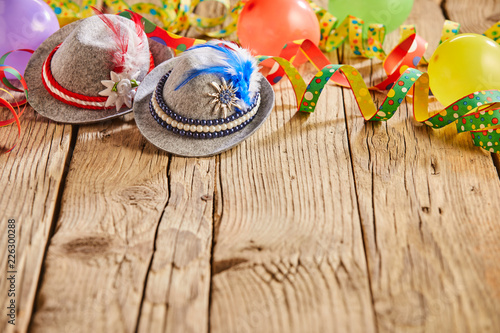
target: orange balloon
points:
(265, 26)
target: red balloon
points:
(265, 26)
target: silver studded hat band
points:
(224, 99)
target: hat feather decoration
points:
(231, 63)
(127, 55)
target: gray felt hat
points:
(196, 117)
(81, 60)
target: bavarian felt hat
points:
(203, 102)
(88, 71)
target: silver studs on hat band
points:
(198, 128)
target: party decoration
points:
(24, 24)
(387, 12)
(12, 105)
(477, 113)
(175, 16)
(463, 65)
(176, 42)
(265, 26)
(406, 54)
(68, 11)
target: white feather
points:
(207, 57)
(137, 55)
(245, 55)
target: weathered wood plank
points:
(97, 261)
(119, 188)
(178, 286)
(177, 293)
(428, 203)
(474, 16)
(496, 161)
(289, 254)
(148, 240)
(30, 178)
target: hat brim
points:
(188, 146)
(49, 107)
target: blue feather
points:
(227, 61)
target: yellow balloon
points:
(463, 65)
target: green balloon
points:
(391, 13)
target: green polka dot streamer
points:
(477, 113)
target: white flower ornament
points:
(120, 90)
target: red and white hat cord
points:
(68, 97)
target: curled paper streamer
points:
(17, 104)
(68, 11)
(178, 15)
(3, 78)
(406, 54)
(477, 113)
(15, 115)
(176, 42)
(9, 105)
(174, 15)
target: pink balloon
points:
(265, 26)
(24, 24)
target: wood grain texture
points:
(429, 208)
(30, 178)
(317, 223)
(98, 258)
(474, 16)
(119, 188)
(177, 291)
(141, 260)
(289, 254)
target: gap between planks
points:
(215, 219)
(169, 163)
(340, 56)
(57, 212)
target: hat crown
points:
(192, 100)
(212, 80)
(85, 58)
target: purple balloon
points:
(24, 24)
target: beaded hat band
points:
(203, 128)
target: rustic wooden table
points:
(320, 223)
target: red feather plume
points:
(121, 39)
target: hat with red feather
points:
(89, 71)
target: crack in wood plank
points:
(31, 177)
(496, 162)
(288, 254)
(420, 277)
(154, 248)
(363, 231)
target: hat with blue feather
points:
(203, 102)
